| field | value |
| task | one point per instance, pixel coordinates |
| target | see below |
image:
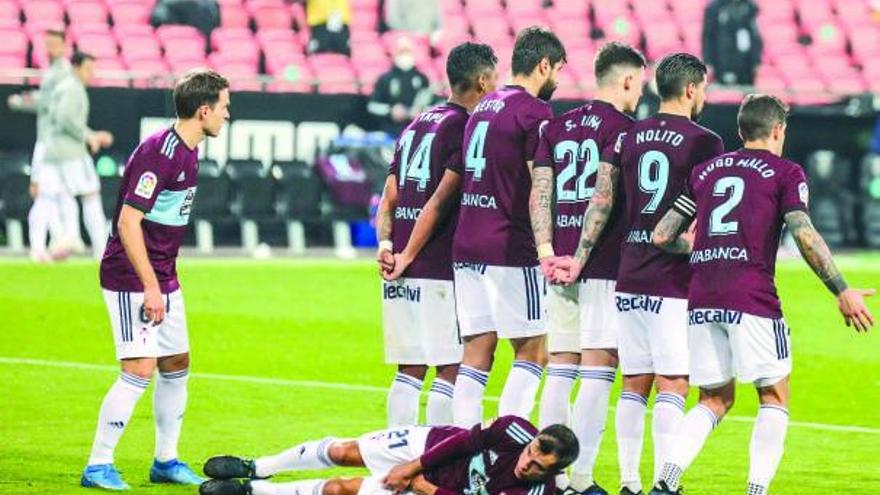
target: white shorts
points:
(75, 177)
(37, 162)
(653, 334)
(137, 338)
(420, 327)
(508, 300)
(581, 316)
(725, 344)
(385, 449)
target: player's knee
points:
(341, 487)
(447, 372)
(141, 367)
(345, 453)
(414, 370)
(174, 363)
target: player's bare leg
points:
(556, 397)
(692, 432)
(403, 395)
(667, 414)
(768, 435)
(470, 385)
(521, 387)
(439, 408)
(597, 372)
(333, 486)
(630, 427)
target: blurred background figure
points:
(70, 169)
(401, 93)
(203, 15)
(45, 211)
(329, 22)
(731, 42)
(415, 16)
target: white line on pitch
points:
(370, 388)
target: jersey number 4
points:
(475, 161)
(587, 153)
(417, 166)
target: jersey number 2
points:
(415, 167)
(736, 187)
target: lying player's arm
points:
(435, 210)
(815, 251)
(384, 222)
(462, 444)
(132, 237)
(540, 201)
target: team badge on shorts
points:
(146, 185)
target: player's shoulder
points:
(516, 429)
(159, 147)
(704, 133)
(787, 168)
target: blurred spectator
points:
(203, 15)
(731, 42)
(417, 16)
(328, 21)
(875, 141)
(401, 93)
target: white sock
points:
(467, 399)
(588, 421)
(302, 487)
(518, 395)
(691, 435)
(40, 215)
(766, 447)
(169, 404)
(668, 411)
(439, 408)
(630, 424)
(68, 212)
(403, 400)
(309, 455)
(115, 412)
(556, 396)
(96, 223)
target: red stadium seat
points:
(127, 30)
(337, 80)
(725, 96)
(43, 11)
(12, 62)
(130, 12)
(100, 45)
(140, 48)
(828, 38)
(268, 16)
(86, 12)
(176, 31)
(234, 15)
(9, 11)
(15, 42)
(109, 72)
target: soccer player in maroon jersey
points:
(508, 456)
(740, 201)
(657, 155)
(498, 287)
(582, 333)
(140, 285)
(418, 309)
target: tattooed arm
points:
(670, 234)
(599, 210)
(540, 201)
(851, 302)
(384, 219)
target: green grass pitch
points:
(290, 350)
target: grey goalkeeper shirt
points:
(69, 117)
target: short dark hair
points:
(533, 44)
(561, 442)
(758, 114)
(676, 71)
(466, 62)
(78, 58)
(55, 32)
(198, 87)
(616, 54)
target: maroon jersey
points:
(740, 199)
(500, 138)
(430, 145)
(573, 144)
(481, 461)
(656, 158)
(160, 180)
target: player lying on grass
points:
(507, 456)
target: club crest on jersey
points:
(182, 176)
(146, 185)
(804, 193)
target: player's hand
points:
(154, 305)
(93, 142)
(15, 101)
(33, 189)
(401, 476)
(399, 113)
(385, 259)
(851, 303)
(401, 262)
(567, 271)
(105, 139)
(548, 266)
(421, 486)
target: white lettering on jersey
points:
(479, 200)
(734, 253)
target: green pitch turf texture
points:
(285, 351)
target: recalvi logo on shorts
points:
(400, 291)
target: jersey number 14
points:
(417, 166)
